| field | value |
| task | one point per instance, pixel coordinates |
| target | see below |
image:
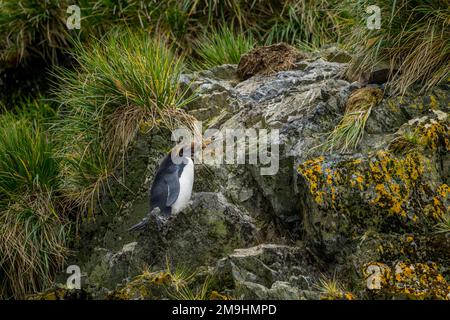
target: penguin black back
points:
(166, 186)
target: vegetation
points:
(350, 130)
(444, 225)
(57, 158)
(413, 41)
(32, 225)
(332, 289)
(223, 46)
(124, 82)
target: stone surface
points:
(277, 236)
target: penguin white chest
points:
(186, 184)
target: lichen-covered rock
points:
(146, 286)
(382, 191)
(406, 280)
(61, 293)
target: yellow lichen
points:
(413, 281)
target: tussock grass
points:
(27, 157)
(406, 142)
(311, 22)
(32, 28)
(413, 40)
(32, 229)
(443, 227)
(332, 289)
(124, 82)
(221, 47)
(347, 135)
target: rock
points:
(383, 192)
(405, 280)
(334, 54)
(267, 271)
(207, 230)
(60, 293)
(328, 213)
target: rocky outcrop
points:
(315, 225)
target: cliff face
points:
(362, 220)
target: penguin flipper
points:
(173, 187)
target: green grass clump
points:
(221, 47)
(32, 28)
(32, 226)
(413, 40)
(332, 289)
(123, 83)
(443, 227)
(310, 22)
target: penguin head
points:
(189, 150)
(186, 150)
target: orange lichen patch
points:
(312, 171)
(161, 278)
(420, 281)
(342, 295)
(412, 281)
(385, 182)
(60, 293)
(395, 179)
(436, 134)
(147, 285)
(440, 204)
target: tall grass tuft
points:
(124, 82)
(312, 22)
(413, 41)
(32, 28)
(347, 135)
(221, 47)
(32, 229)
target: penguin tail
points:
(142, 225)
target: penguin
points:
(171, 189)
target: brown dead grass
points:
(267, 60)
